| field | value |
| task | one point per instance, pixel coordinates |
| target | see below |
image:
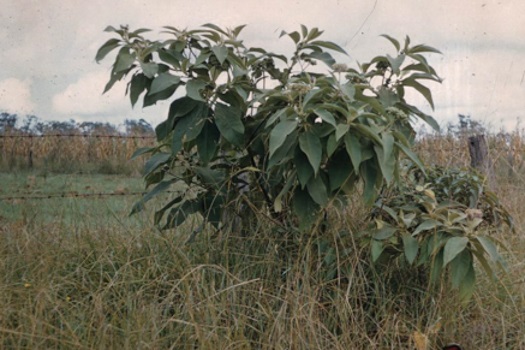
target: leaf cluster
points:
(443, 220)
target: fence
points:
(76, 150)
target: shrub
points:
(265, 134)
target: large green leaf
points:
(229, 123)
(386, 157)
(163, 81)
(459, 267)
(138, 84)
(423, 90)
(325, 116)
(280, 132)
(384, 232)
(161, 187)
(210, 177)
(312, 147)
(155, 161)
(124, 60)
(108, 46)
(207, 142)
(468, 284)
(317, 190)
(372, 177)
(221, 52)
(339, 169)
(453, 247)
(353, 148)
(194, 87)
(392, 40)
(411, 248)
(305, 208)
(328, 45)
(429, 224)
(304, 169)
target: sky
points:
(48, 68)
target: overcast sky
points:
(47, 65)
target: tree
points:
(260, 134)
(252, 118)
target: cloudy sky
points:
(48, 48)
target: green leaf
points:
(149, 69)
(161, 187)
(489, 248)
(325, 116)
(304, 169)
(423, 90)
(339, 170)
(124, 60)
(277, 203)
(194, 87)
(468, 284)
(140, 151)
(155, 161)
(423, 48)
(377, 248)
(210, 177)
(341, 130)
(312, 147)
(328, 45)
(395, 63)
(207, 142)
(453, 247)
(393, 41)
(322, 56)
(137, 86)
(372, 177)
(412, 156)
(459, 267)
(108, 46)
(229, 123)
(221, 52)
(411, 247)
(305, 208)
(151, 99)
(384, 232)
(429, 224)
(279, 134)
(348, 89)
(386, 158)
(317, 190)
(295, 36)
(162, 82)
(353, 148)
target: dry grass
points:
(126, 286)
(70, 153)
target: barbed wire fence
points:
(442, 151)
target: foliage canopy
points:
(264, 129)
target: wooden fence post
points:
(479, 156)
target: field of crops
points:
(78, 273)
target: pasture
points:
(79, 273)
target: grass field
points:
(78, 273)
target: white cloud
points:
(83, 101)
(85, 96)
(15, 96)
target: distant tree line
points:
(31, 124)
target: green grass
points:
(78, 273)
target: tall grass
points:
(74, 152)
(123, 284)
